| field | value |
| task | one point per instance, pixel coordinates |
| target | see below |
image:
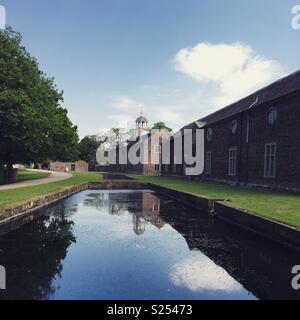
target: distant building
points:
(151, 159)
(78, 166)
(142, 127)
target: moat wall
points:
(23, 209)
(261, 226)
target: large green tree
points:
(88, 147)
(33, 125)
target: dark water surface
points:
(138, 245)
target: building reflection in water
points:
(262, 267)
(148, 212)
(144, 207)
(139, 225)
(34, 254)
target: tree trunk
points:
(1, 174)
(9, 174)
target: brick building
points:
(78, 166)
(151, 152)
(255, 141)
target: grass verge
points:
(9, 198)
(24, 175)
(278, 206)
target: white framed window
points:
(270, 160)
(232, 161)
(208, 162)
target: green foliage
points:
(116, 131)
(33, 125)
(88, 147)
(161, 125)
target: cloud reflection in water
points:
(199, 273)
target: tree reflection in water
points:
(35, 259)
(34, 254)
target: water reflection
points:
(198, 272)
(138, 245)
(34, 258)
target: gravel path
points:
(54, 176)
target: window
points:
(157, 167)
(272, 116)
(208, 162)
(270, 160)
(232, 161)
(234, 126)
(209, 134)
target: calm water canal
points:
(138, 245)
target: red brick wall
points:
(80, 166)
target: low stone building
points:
(78, 166)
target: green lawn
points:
(24, 175)
(15, 196)
(282, 207)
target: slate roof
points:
(282, 87)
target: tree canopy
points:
(88, 147)
(161, 125)
(34, 127)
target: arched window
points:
(234, 126)
(272, 116)
(209, 134)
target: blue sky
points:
(178, 60)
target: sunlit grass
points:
(24, 175)
(279, 206)
(12, 197)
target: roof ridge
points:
(282, 80)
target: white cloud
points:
(199, 273)
(223, 74)
(165, 114)
(235, 69)
(2, 17)
(121, 121)
(129, 109)
(127, 103)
